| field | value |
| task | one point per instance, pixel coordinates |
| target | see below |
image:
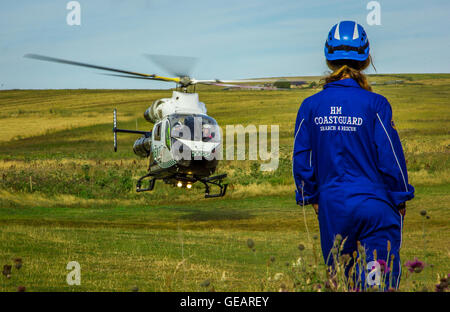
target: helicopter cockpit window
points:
(195, 127)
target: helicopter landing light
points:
(179, 184)
(189, 185)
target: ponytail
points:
(349, 69)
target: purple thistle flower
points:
(438, 288)
(415, 266)
(383, 266)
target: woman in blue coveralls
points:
(348, 163)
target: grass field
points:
(66, 196)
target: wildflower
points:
(283, 288)
(438, 288)
(224, 276)
(250, 243)
(443, 284)
(338, 239)
(318, 287)
(383, 266)
(331, 283)
(277, 276)
(7, 269)
(18, 263)
(415, 266)
(361, 249)
(296, 263)
(345, 259)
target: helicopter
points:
(184, 144)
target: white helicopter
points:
(184, 144)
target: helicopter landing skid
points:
(151, 184)
(215, 180)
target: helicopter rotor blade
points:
(69, 62)
(242, 86)
(268, 80)
(228, 81)
(127, 76)
(159, 78)
(179, 66)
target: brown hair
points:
(349, 69)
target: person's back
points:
(344, 118)
(348, 160)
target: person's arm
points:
(302, 162)
(391, 160)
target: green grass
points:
(64, 195)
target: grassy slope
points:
(82, 205)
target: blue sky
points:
(232, 39)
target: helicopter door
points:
(166, 157)
(157, 142)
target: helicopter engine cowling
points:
(143, 146)
(154, 112)
(180, 102)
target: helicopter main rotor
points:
(178, 66)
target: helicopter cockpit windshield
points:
(194, 127)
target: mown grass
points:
(64, 195)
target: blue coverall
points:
(348, 159)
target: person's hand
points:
(316, 208)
